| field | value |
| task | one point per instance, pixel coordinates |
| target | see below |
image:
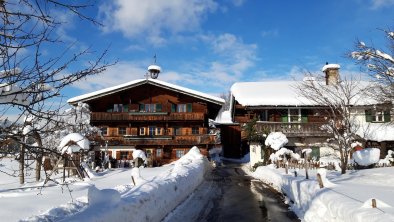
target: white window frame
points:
(378, 116)
(179, 153)
(142, 131)
(159, 152)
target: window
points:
(195, 130)
(264, 115)
(178, 131)
(149, 153)
(118, 108)
(104, 131)
(124, 155)
(179, 153)
(294, 115)
(181, 108)
(152, 130)
(159, 131)
(142, 131)
(151, 108)
(122, 130)
(159, 152)
(377, 115)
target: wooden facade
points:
(162, 121)
(301, 125)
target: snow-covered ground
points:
(110, 195)
(345, 197)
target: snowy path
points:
(228, 194)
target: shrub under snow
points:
(276, 140)
(366, 156)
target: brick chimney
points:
(332, 73)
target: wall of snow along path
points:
(148, 200)
(311, 203)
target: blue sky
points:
(208, 45)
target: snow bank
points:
(311, 203)
(104, 196)
(366, 157)
(276, 140)
(152, 200)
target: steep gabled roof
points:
(138, 82)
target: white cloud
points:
(232, 60)
(381, 3)
(150, 18)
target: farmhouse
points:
(162, 119)
(276, 107)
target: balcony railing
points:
(162, 140)
(294, 129)
(142, 116)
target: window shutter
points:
(173, 108)
(142, 107)
(304, 115)
(189, 107)
(387, 116)
(285, 119)
(118, 155)
(368, 115)
(125, 108)
(158, 107)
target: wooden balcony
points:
(143, 117)
(294, 129)
(162, 140)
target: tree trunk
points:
(22, 164)
(39, 156)
(38, 167)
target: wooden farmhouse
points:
(162, 119)
(277, 108)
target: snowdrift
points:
(148, 200)
(311, 203)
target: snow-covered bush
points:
(276, 140)
(282, 152)
(389, 159)
(366, 157)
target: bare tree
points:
(339, 99)
(379, 63)
(227, 97)
(31, 81)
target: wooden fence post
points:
(320, 181)
(373, 203)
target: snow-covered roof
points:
(78, 142)
(283, 93)
(376, 131)
(138, 82)
(270, 93)
(330, 66)
(224, 117)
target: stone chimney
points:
(332, 73)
